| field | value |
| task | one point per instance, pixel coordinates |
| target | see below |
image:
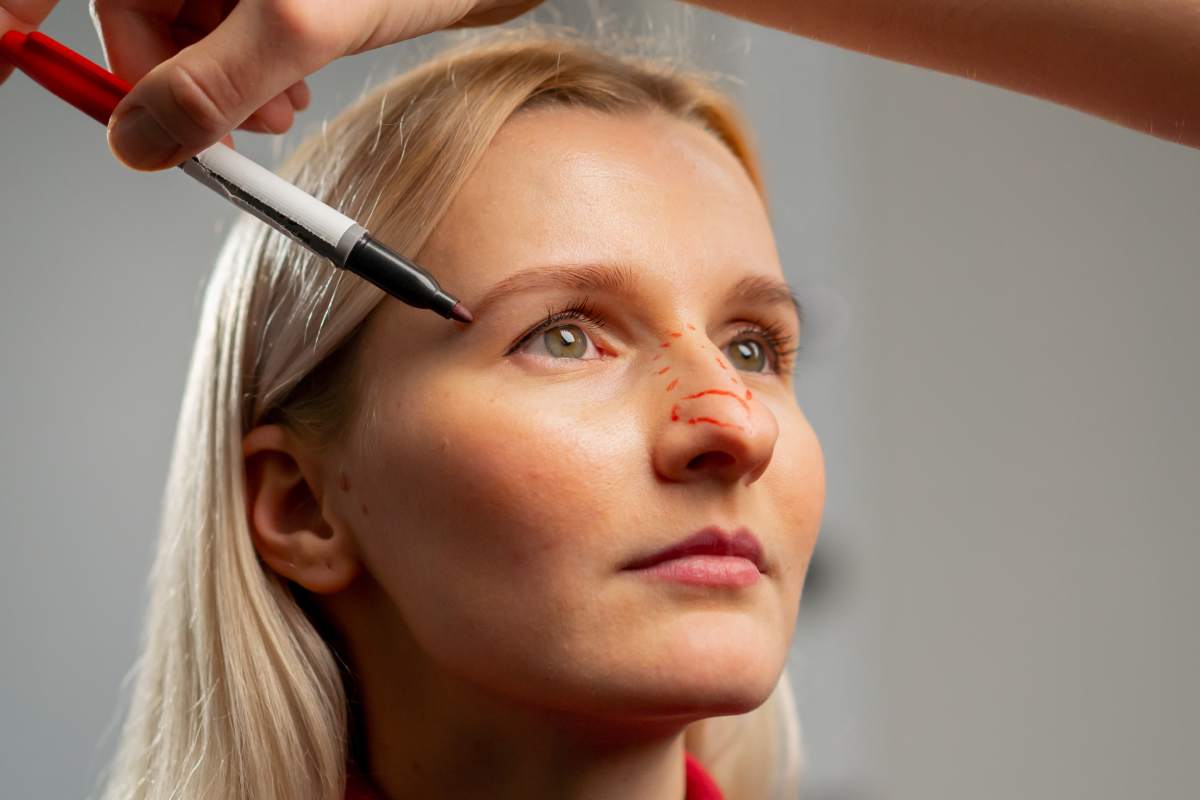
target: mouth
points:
(710, 556)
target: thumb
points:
(193, 99)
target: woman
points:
(416, 557)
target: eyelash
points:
(772, 333)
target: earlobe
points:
(288, 525)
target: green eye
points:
(765, 348)
(750, 354)
(560, 338)
(565, 341)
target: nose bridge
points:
(700, 385)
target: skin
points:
(205, 67)
(467, 539)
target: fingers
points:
(279, 112)
(275, 116)
(495, 12)
(24, 16)
(260, 51)
(146, 40)
(198, 74)
(300, 95)
(133, 40)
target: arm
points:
(1132, 62)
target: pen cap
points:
(82, 83)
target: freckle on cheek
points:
(364, 509)
(344, 481)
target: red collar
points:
(700, 785)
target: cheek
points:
(489, 519)
(798, 483)
(463, 488)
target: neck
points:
(419, 732)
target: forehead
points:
(570, 185)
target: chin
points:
(733, 685)
(690, 699)
(714, 671)
(655, 705)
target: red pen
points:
(84, 84)
(327, 232)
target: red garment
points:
(700, 785)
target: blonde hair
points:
(237, 693)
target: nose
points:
(712, 427)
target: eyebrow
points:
(621, 280)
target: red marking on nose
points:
(664, 369)
(712, 421)
(749, 394)
(674, 412)
(718, 391)
(672, 384)
(676, 335)
(665, 344)
(691, 327)
(722, 363)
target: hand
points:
(203, 67)
(23, 16)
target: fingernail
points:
(139, 141)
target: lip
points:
(711, 540)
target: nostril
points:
(710, 459)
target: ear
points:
(284, 509)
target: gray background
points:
(1003, 375)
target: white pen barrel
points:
(275, 201)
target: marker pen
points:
(295, 213)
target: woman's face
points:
(502, 475)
